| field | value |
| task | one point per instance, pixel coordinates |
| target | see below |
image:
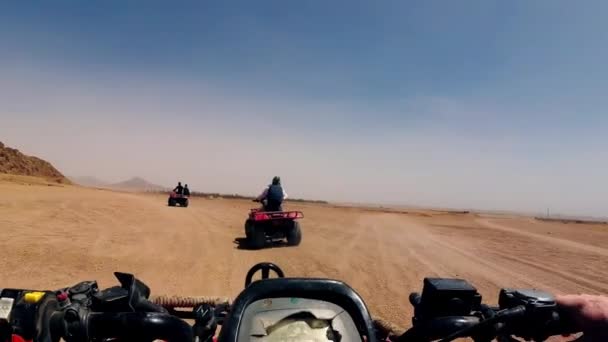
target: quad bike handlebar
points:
(445, 310)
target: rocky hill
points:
(13, 162)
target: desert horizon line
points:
(156, 188)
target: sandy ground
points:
(56, 236)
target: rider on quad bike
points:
(273, 196)
(179, 189)
(179, 195)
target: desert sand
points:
(54, 236)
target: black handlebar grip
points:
(138, 326)
(564, 323)
(438, 328)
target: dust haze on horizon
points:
(482, 105)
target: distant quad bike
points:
(273, 226)
(177, 199)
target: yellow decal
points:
(33, 297)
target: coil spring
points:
(187, 302)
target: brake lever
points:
(205, 323)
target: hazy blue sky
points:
(484, 104)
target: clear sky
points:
(475, 104)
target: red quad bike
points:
(263, 226)
(175, 199)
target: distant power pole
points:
(547, 212)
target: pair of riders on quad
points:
(182, 190)
(273, 196)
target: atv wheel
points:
(171, 202)
(185, 205)
(294, 234)
(248, 229)
(258, 238)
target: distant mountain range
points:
(136, 183)
(89, 181)
(132, 184)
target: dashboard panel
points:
(296, 319)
